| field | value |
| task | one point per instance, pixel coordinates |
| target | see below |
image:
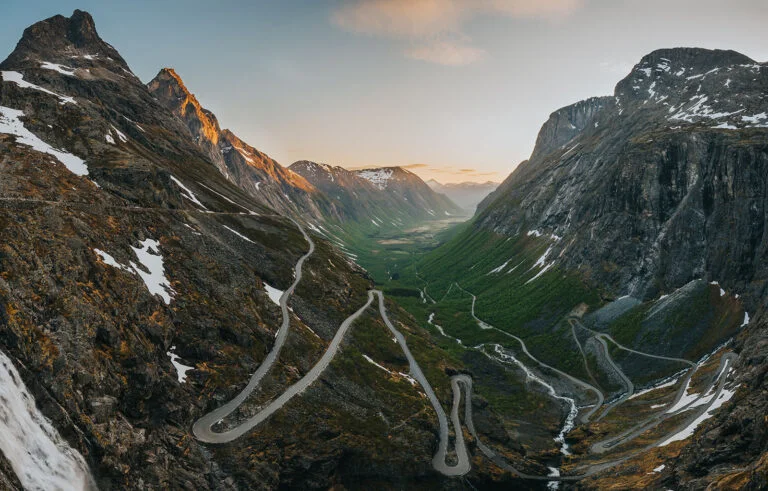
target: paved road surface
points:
(202, 428)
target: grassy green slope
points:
(516, 301)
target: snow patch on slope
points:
(18, 79)
(187, 193)
(154, 278)
(379, 178)
(10, 123)
(64, 70)
(274, 293)
(181, 369)
(238, 234)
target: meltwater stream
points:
(503, 356)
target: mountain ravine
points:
(179, 311)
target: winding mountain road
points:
(629, 435)
(463, 465)
(584, 385)
(628, 385)
(607, 336)
(203, 428)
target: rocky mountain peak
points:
(382, 176)
(253, 171)
(699, 58)
(717, 88)
(169, 89)
(170, 80)
(62, 39)
(567, 122)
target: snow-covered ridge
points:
(716, 96)
(39, 456)
(313, 168)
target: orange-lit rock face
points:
(170, 90)
(262, 161)
(252, 170)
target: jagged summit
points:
(681, 86)
(668, 88)
(169, 89)
(252, 170)
(63, 39)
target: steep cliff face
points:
(664, 183)
(255, 172)
(137, 288)
(651, 179)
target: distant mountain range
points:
(465, 194)
(386, 195)
(305, 190)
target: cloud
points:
(454, 171)
(398, 18)
(433, 28)
(446, 52)
(415, 166)
(423, 19)
(551, 9)
(474, 172)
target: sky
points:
(455, 90)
